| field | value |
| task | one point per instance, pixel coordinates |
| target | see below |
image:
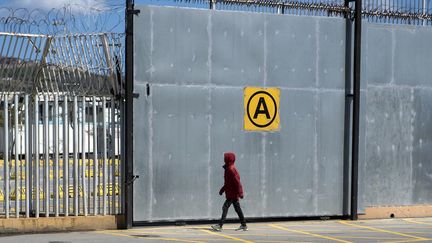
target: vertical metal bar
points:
(347, 113)
(47, 158)
(84, 146)
(95, 161)
(19, 72)
(109, 62)
(121, 137)
(113, 158)
(37, 159)
(17, 158)
(56, 156)
(104, 154)
(27, 154)
(6, 154)
(65, 157)
(356, 110)
(75, 156)
(128, 128)
(15, 65)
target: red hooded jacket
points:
(232, 187)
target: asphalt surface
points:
(389, 230)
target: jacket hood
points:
(229, 158)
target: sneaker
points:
(242, 227)
(216, 227)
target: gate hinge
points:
(133, 11)
(133, 178)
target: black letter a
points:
(263, 111)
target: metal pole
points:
(75, 156)
(128, 128)
(83, 136)
(27, 154)
(212, 4)
(17, 160)
(112, 156)
(348, 110)
(37, 159)
(65, 157)
(356, 109)
(56, 156)
(6, 153)
(47, 159)
(104, 156)
(95, 161)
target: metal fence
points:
(60, 156)
(60, 125)
(74, 64)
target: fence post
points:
(128, 116)
(348, 111)
(212, 4)
(356, 109)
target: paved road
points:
(391, 230)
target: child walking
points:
(233, 191)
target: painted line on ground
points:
(382, 230)
(370, 237)
(225, 236)
(149, 238)
(280, 241)
(417, 222)
(307, 233)
(403, 241)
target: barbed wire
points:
(71, 18)
(73, 49)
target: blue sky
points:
(89, 15)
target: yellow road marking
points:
(370, 237)
(165, 233)
(417, 222)
(115, 234)
(382, 230)
(225, 236)
(307, 233)
(169, 228)
(402, 241)
(285, 241)
(149, 238)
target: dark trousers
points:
(237, 208)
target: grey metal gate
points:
(191, 67)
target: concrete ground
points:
(389, 230)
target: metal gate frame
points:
(350, 198)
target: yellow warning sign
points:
(261, 109)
